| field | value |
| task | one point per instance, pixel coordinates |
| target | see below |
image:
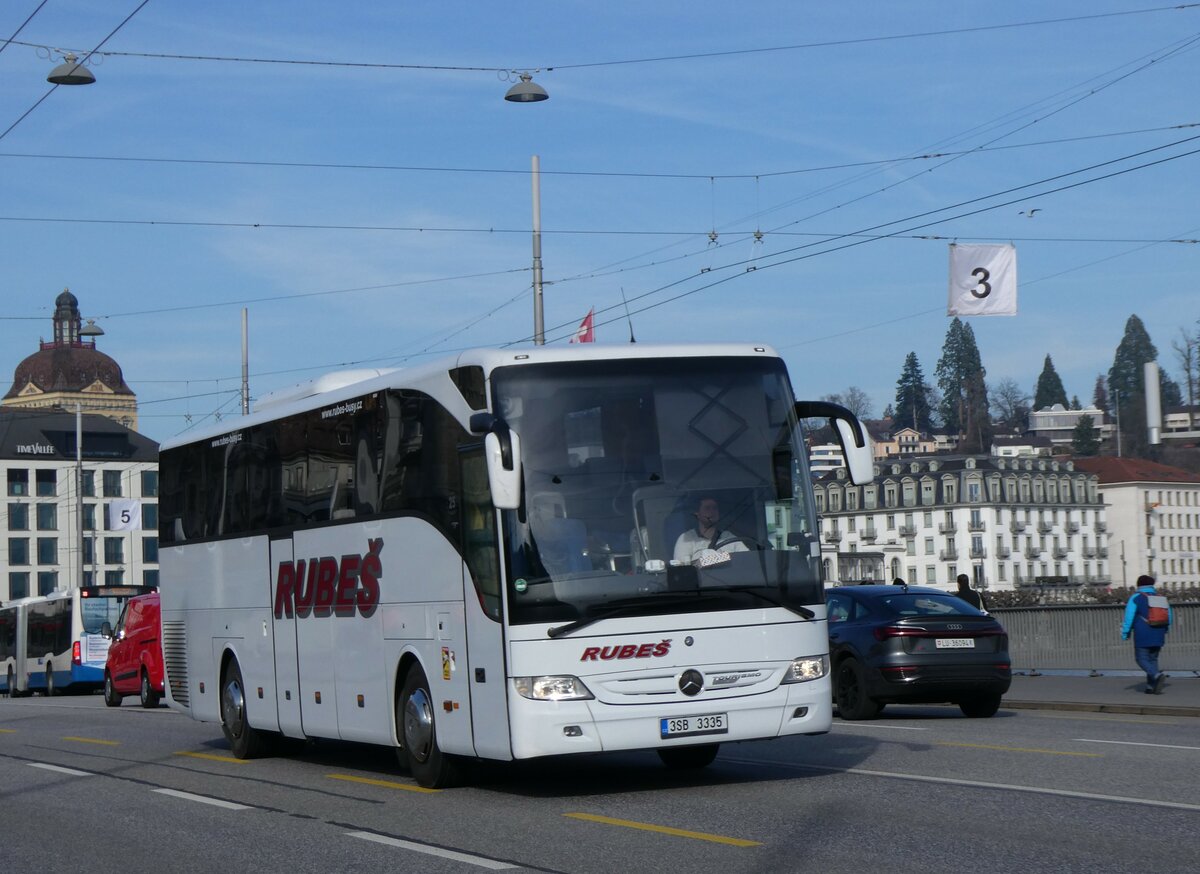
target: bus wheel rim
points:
(418, 725)
(232, 707)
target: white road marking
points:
(976, 784)
(60, 770)
(841, 725)
(215, 802)
(481, 861)
(1131, 743)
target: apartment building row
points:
(1005, 522)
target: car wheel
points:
(148, 695)
(245, 742)
(980, 707)
(111, 698)
(686, 758)
(850, 692)
(416, 730)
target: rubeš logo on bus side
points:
(326, 585)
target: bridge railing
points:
(1088, 637)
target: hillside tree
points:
(1049, 390)
(913, 406)
(961, 378)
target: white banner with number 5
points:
(983, 280)
(124, 515)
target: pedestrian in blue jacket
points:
(1148, 639)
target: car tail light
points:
(883, 632)
(76, 653)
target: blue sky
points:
(369, 214)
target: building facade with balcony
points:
(1006, 523)
(1154, 520)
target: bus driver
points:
(694, 542)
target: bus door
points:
(486, 667)
(287, 675)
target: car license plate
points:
(688, 726)
(955, 643)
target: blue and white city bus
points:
(56, 644)
(475, 559)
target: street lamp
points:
(71, 72)
(526, 91)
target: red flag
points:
(586, 333)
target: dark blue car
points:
(913, 645)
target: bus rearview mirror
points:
(504, 478)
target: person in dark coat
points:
(967, 593)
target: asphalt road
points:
(88, 788)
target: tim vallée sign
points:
(36, 449)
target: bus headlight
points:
(564, 688)
(808, 668)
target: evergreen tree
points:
(888, 412)
(1085, 439)
(1126, 380)
(961, 376)
(1075, 405)
(1100, 395)
(1169, 392)
(912, 406)
(1049, 390)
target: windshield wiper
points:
(628, 607)
(799, 610)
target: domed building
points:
(69, 370)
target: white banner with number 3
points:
(983, 280)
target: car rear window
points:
(916, 604)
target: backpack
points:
(1158, 611)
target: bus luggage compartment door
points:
(287, 676)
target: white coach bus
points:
(476, 559)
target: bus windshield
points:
(644, 477)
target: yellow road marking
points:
(8, 731)
(662, 829)
(387, 784)
(92, 740)
(1019, 750)
(212, 757)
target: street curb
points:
(1138, 709)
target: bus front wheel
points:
(245, 742)
(416, 731)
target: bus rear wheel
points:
(245, 742)
(416, 730)
(111, 698)
(12, 683)
(148, 695)
(49, 679)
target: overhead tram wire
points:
(760, 265)
(1143, 62)
(958, 31)
(20, 28)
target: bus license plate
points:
(688, 726)
(955, 643)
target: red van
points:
(135, 662)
